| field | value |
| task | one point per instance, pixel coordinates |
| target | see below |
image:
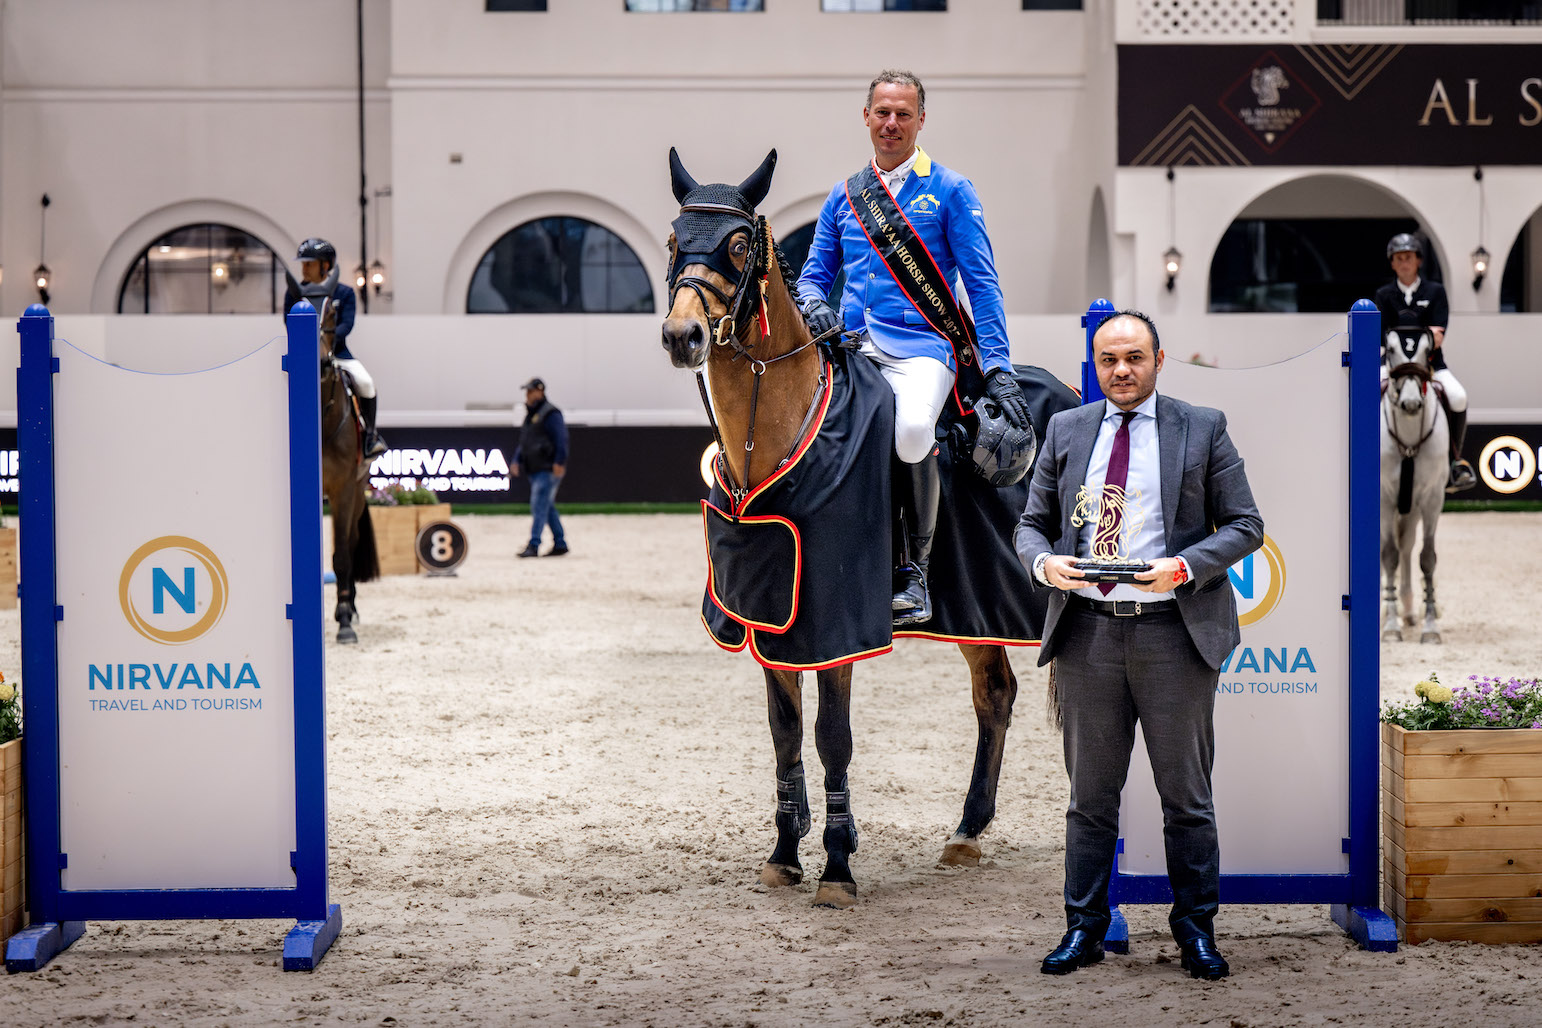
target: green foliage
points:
(1488, 702)
(10, 710)
(394, 495)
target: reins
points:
(728, 331)
(1408, 369)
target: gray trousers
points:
(1111, 672)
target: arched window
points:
(1315, 244)
(204, 269)
(560, 265)
(1520, 290)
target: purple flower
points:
(1490, 713)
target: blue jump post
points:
(48, 933)
(1361, 916)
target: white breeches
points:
(1456, 394)
(921, 386)
(363, 385)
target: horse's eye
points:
(741, 248)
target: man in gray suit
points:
(1146, 651)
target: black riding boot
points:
(1462, 475)
(912, 603)
(374, 446)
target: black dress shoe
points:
(1201, 960)
(1076, 949)
(529, 551)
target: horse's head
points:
(717, 251)
(1406, 353)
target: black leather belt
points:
(1123, 608)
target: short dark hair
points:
(897, 77)
(1131, 312)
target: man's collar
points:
(1417, 282)
(1146, 406)
(917, 162)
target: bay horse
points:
(344, 481)
(740, 325)
(1414, 444)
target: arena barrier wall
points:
(171, 623)
(1297, 765)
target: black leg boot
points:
(374, 446)
(912, 602)
(1462, 475)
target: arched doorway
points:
(1313, 244)
(1520, 284)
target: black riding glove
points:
(1003, 388)
(821, 318)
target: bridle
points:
(732, 330)
(1395, 376)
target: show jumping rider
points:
(1427, 302)
(318, 264)
(913, 345)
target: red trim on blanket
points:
(797, 570)
(850, 658)
(731, 649)
(964, 640)
(803, 447)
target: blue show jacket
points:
(946, 213)
(343, 300)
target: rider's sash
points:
(900, 247)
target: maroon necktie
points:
(1110, 522)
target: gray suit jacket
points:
(1208, 514)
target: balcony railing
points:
(1429, 12)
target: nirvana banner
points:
(1233, 106)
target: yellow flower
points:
(1438, 694)
(1423, 688)
(7, 692)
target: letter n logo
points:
(161, 584)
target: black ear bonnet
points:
(710, 214)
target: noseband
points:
(1395, 376)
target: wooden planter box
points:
(12, 887)
(1462, 812)
(8, 566)
(396, 530)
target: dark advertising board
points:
(1505, 458)
(1330, 104)
(609, 464)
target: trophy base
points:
(1111, 571)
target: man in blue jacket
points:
(917, 360)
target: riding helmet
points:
(1405, 241)
(316, 249)
(1001, 452)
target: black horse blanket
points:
(801, 572)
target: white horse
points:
(1414, 444)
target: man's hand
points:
(1061, 572)
(1439, 335)
(514, 470)
(1003, 388)
(1161, 578)
(559, 469)
(821, 318)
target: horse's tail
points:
(366, 560)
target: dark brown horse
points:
(716, 291)
(344, 480)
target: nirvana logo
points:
(1507, 464)
(1270, 102)
(173, 589)
(1258, 580)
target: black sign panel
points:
(1505, 458)
(1370, 103)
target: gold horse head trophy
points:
(1118, 517)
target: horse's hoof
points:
(346, 636)
(1430, 637)
(837, 895)
(961, 851)
(1392, 635)
(780, 876)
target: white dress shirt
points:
(1409, 290)
(894, 180)
(1143, 491)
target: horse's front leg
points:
(345, 516)
(994, 688)
(1406, 528)
(784, 703)
(832, 737)
(1431, 631)
(1391, 621)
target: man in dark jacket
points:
(542, 455)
